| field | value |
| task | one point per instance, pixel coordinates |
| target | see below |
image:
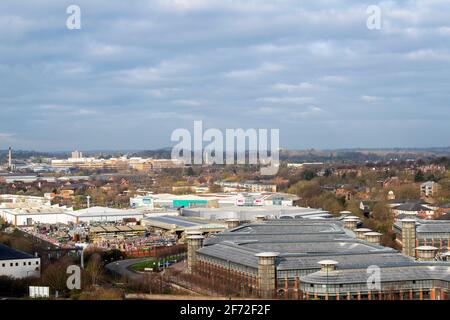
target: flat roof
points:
(8, 253)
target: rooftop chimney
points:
(351, 223)
(232, 223)
(360, 233)
(260, 218)
(426, 253)
(373, 237)
(327, 265)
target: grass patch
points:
(155, 263)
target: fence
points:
(157, 251)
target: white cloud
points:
(428, 55)
(293, 87)
(287, 100)
(265, 68)
(369, 99)
(187, 102)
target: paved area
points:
(123, 268)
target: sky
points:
(137, 70)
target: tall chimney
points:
(409, 237)
(10, 159)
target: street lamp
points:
(229, 280)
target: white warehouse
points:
(104, 214)
(40, 214)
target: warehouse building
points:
(213, 200)
(252, 213)
(315, 259)
(105, 214)
(177, 225)
(18, 264)
(22, 215)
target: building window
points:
(11, 264)
(37, 262)
(3, 265)
(24, 263)
(29, 263)
(17, 264)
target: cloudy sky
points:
(138, 69)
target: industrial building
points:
(315, 259)
(119, 232)
(18, 264)
(181, 225)
(213, 200)
(250, 213)
(412, 233)
(21, 215)
(105, 214)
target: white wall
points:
(110, 218)
(50, 218)
(21, 268)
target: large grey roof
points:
(301, 244)
(179, 221)
(7, 253)
(296, 230)
(347, 260)
(428, 226)
(416, 272)
(412, 207)
(250, 212)
(305, 260)
(313, 247)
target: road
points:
(123, 268)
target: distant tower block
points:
(77, 155)
(195, 242)
(267, 274)
(409, 237)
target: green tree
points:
(309, 175)
(419, 177)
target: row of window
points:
(12, 264)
